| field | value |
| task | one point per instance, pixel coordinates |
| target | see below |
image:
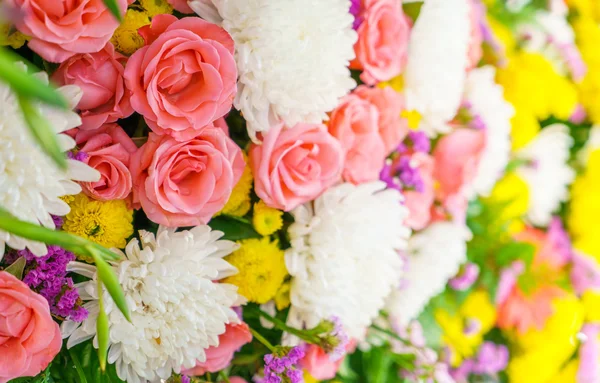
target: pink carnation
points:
(185, 183)
(184, 78)
(62, 28)
(381, 49)
(100, 77)
(108, 150)
(29, 338)
(295, 165)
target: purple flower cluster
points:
(467, 116)
(465, 278)
(79, 156)
(47, 275)
(355, 11)
(342, 340)
(185, 379)
(400, 174)
(491, 359)
(278, 369)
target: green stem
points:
(294, 331)
(78, 366)
(262, 339)
(224, 376)
(390, 333)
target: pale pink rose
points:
(419, 203)
(185, 183)
(390, 104)
(217, 358)
(475, 43)
(381, 48)
(63, 28)
(355, 124)
(457, 158)
(108, 150)
(100, 77)
(29, 338)
(295, 165)
(181, 6)
(185, 76)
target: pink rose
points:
(381, 49)
(181, 6)
(457, 157)
(392, 128)
(100, 77)
(475, 50)
(184, 78)
(108, 150)
(185, 183)
(63, 28)
(217, 358)
(355, 124)
(318, 363)
(419, 203)
(295, 165)
(29, 338)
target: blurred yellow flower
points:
(126, 38)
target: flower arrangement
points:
(299, 191)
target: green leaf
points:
(17, 268)
(78, 367)
(25, 84)
(515, 251)
(42, 131)
(102, 331)
(234, 229)
(109, 279)
(114, 9)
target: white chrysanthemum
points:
(292, 56)
(487, 101)
(344, 255)
(177, 308)
(434, 256)
(437, 60)
(547, 174)
(30, 182)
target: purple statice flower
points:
(338, 332)
(574, 61)
(420, 141)
(387, 176)
(559, 238)
(491, 359)
(58, 221)
(477, 122)
(47, 276)
(409, 175)
(355, 11)
(185, 379)
(78, 155)
(278, 367)
(585, 273)
(473, 326)
(466, 278)
(589, 354)
(508, 280)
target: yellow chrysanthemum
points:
(524, 128)
(12, 38)
(107, 223)
(583, 222)
(126, 39)
(591, 302)
(503, 34)
(479, 306)
(588, 39)
(156, 7)
(397, 84)
(261, 269)
(568, 374)
(511, 192)
(266, 220)
(586, 8)
(532, 85)
(239, 201)
(462, 344)
(282, 298)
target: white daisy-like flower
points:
(178, 309)
(344, 256)
(30, 182)
(437, 60)
(487, 101)
(547, 173)
(292, 56)
(434, 256)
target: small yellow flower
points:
(261, 269)
(12, 38)
(282, 298)
(126, 38)
(107, 223)
(479, 306)
(413, 117)
(266, 220)
(513, 193)
(462, 344)
(591, 303)
(156, 7)
(239, 201)
(397, 84)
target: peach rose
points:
(354, 123)
(457, 157)
(217, 358)
(181, 6)
(63, 28)
(100, 77)
(381, 49)
(108, 150)
(295, 165)
(392, 128)
(419, 203)
(185, 183)
(318, 363)
(184, 78)
(29, 338)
